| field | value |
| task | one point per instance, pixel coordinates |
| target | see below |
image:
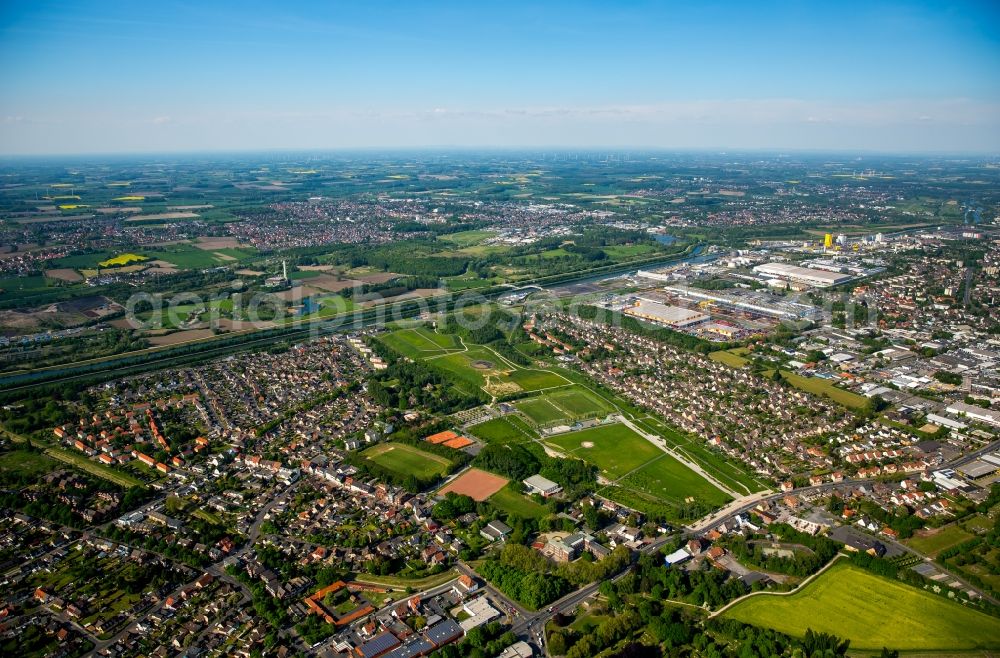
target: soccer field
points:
(614, 449)
(508, 429)
(564, 405)
(541, 411)
(406, 460)
(872, 612)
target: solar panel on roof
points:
(379, 644)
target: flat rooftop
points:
(810, 274)
(677, 316)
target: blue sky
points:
(88, 77)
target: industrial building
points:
(760, 304)
(806, 275)
(724, 330)
(673, 316)
(989, 416)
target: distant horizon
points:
(534, 150)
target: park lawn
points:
(559, 252)
(729, 473)
(500, 430)
(22, 462)
(616, 450)
(438, 341)
(441, 351)
(460, 365)
(518, 504)
(418, 343)
(536, 380)
(948, 536)
(95, 468)
(669, 479)
(406, 460)
(587, 622)
(872, 612)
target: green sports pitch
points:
(614, 449)
(639, 469)
(563, 406)
(406, 460)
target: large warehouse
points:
(674, 316)
(807, 275)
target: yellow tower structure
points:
(828, 240)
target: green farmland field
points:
(872, 612)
